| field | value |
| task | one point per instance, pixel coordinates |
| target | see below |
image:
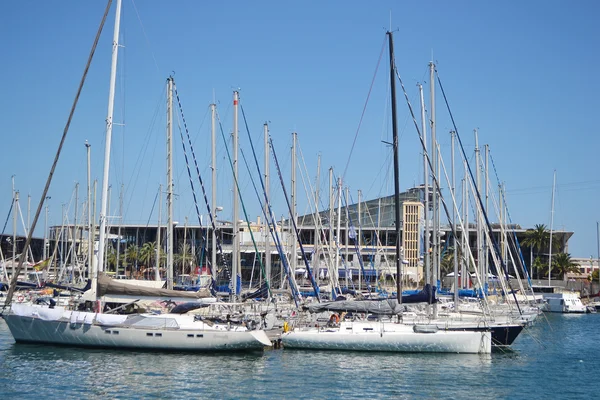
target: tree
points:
(147, 254)
(562, 264)
(111, 257)
(538, 240)
(132, 254)
(447, 261)
(184, 257)
(539, 267)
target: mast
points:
(119, 229)
(14, 238)
(467, 245)
(45, 252)
(338, 246)
(89, 210)
(213, 135)
(74, 237)
(426, 259)
(293, 199)
(598, 248)
(157, 277)
(478, 212)
(453, 138)
(551, 227)
(487, 184)
(267, 211)
(396, 171)
(235, 259)
(170, 183)
(359, 236)
(107, 146)
(332, 279)
(317, 241)
(348, 271)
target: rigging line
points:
(8, 216)
(150, 216)
(487, 221)
(145, 35)
(137, 165)
(13, 282)
(187, 164)
(262, 268)
(293, 220)
(267, 202)
(364, 109)
(219, 247)
(518, 245)
(246, 213)
(436, 182)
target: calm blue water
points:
(554, 359)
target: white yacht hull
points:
(57, 326)
(390, 337)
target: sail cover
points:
(381, 307)
(109, 286)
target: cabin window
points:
(190, 335)
(107, 332)
(115, 332)
(149, 334)
(158, 334)
(199, 335)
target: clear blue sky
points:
(520, 72)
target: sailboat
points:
(177, 330)
(382, 328)
(557, 300)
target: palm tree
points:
(184, 257)
(562, 264)
(111, 257)
(147, 255)
(447, 261)
(538, 240)
(132, 255)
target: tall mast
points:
(453, 138)
(338, 246)
(317, 241)
(487, 184)
(235, 263)
(359, 235)
(426, 258)
(551, 227)
(396, 171)
(213, 135)
(478, 212)
(170, 183)
(293, 199)
(14, 239)
(74, 237)
(467, 244)
(107, 146)
(267, 212)
(332, 279)
(435, 215)
(435, 227)
(89, 211)
(346, 238)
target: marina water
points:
(556, 358)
